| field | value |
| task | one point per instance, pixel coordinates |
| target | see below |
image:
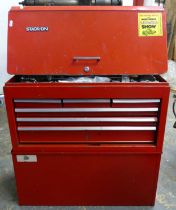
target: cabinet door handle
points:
(86, 58)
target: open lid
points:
(87, 40)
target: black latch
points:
(174, 125)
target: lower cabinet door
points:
(86, 178)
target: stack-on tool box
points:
(86, 107)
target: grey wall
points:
(5, 6)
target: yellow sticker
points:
(150, 24)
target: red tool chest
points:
(85, 143)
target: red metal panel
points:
(138, 2)
(15, 90)
(113, 169)
(109, 32)
(87, 137)
(87, 179)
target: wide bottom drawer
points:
(86, 179)
(89, 136)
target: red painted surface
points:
(87, 179)
(138, 2)
(109, 32)
(15, 90)
(90, 167)
(86, 173)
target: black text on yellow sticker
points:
(150, 24)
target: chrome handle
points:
(154, 109)
(88, 119)
(127, 101)
(89, 128)
(86, 100)
(37, 101)
(86, 58)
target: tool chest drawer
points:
(94, 103)
(106, 113)
(112, 125)
(37, 103)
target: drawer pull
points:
(86, 100)
(154, 109)
(89, 128)
(37, 101)
(86, 58)
(90, 119)
(130, 101)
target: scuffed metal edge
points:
(1, 100)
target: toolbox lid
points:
(87, 40)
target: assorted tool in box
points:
(87, 105)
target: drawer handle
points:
(89, 128)
(87, 58)
(130, 101)
(90, 119)
(154, 109)
(37, 101)
(86, 100)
